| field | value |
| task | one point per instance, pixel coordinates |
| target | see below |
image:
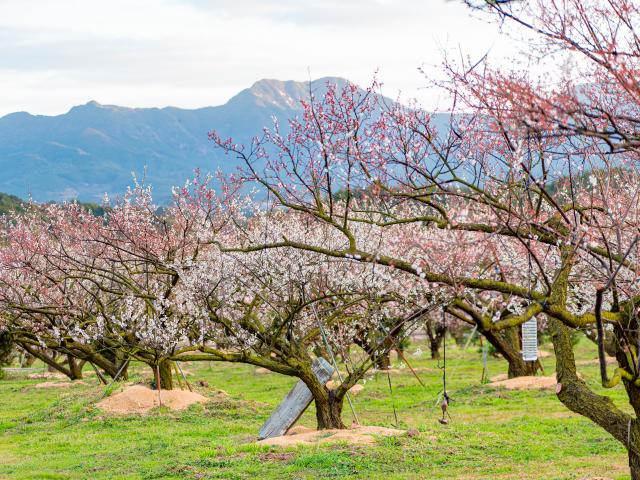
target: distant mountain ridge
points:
(93, 149)
(10, 204)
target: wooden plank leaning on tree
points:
(295, 403)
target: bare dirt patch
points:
(59, 384)
(595, 361)
(140, 399)
(43, 375)
(276, 457)
(354, 391)
(525, 383)
(361, 435)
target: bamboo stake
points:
(185, 377)
(98, 374)
(115, 378)
(175, 369)
(158, 386)
(404, 359)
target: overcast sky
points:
(190, 53)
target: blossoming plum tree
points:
(591, 105)
(103, 290)
(280, 308)
(525, 206)
(160, 286)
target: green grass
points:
(495, 434)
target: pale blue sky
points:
(190, 53)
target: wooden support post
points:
(295, 403)
(101, 378)
(184, 376)
(175, 368)
(158, 386)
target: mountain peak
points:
(94, 147)
(281, 94)
(94, 106)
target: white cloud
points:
(190, 53)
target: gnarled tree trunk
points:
(166, 375)
(27, 360)
(328, 402)
(578, 397)
(49, 360)
(634, 464)
(329, 411)
(75, 367)
(436, 332)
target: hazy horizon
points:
(195, 53)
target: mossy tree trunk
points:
(164, 371)
(506, 341)
(51, 366)
(48, 357)
(436, 332)
(75, 367)
(578, 397)
(113, 361)
(328, 402)
(27, 360)
(329, 411)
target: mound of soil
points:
(595, 361)
(38, 376)
(59, 384)
(140, 399)
(360, 435)
(525, 383)
(354, 391)
(406, 370)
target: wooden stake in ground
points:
(175, 368)
(122, 367)
(184, 376)
(99, 375)
(404, 359)
(157, 369)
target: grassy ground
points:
(495, 434)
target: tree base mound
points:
(525, 383)
(139, 399)
(595, 361)
(361, 435)
(46, 375)
(354, 391)
(59, 384)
